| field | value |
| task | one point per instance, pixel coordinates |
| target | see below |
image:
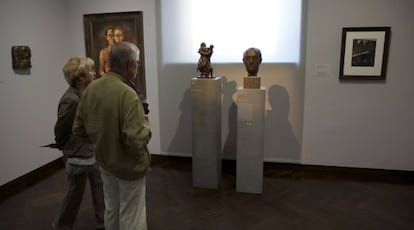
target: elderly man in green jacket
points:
(110, 115)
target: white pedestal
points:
(250, 140)
(206, 130)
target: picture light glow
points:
(232, 26)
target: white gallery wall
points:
(78, 8)
(28, 100)
(359, 124)
(53, 29)
(310, 119)
(284, 83)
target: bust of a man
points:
(252, 58)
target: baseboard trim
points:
(21, 183)
(301, 171)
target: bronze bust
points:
(252, 58)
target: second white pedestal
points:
(250, 140)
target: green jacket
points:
(111, 117)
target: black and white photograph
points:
(364, 53)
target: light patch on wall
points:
(231, 26)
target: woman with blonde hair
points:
(80, 163)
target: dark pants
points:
(77, 176)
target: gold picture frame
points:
(131, 23)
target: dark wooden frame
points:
(364, 53)
(131, 23)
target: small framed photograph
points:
(364, 53)
(103, 30)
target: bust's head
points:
(252, 58)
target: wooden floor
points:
(294, 197)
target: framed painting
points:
(364, 53)
(103, 30)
